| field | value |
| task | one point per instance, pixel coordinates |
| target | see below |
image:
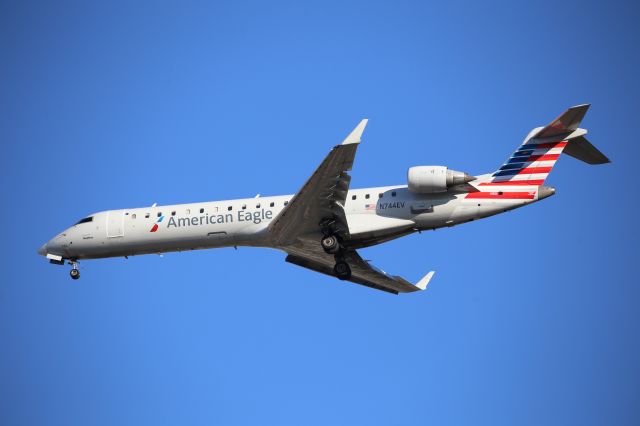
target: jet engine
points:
(431, 179)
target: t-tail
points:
(533, 161)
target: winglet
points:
(424, 282)
(356, 134)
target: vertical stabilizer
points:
(535, 158)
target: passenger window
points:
(201, 210)
(159, 214)
(272, 204)
(257, 206)
(126, 214)
(380, 195)
(146, 216)
(353, 197)
(133, 216)
(244, 207)
(173, 213)
(366, 196)
(229, 208)
(393, 194)
(286, 202)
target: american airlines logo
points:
(154, 228)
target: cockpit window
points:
(85, 220)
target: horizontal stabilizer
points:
(583, 150)
(566, 123)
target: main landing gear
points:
(75, 273)
(342, 269)
(331, 244)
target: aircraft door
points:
(115, 223)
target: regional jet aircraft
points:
(325, 222)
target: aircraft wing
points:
(321, 197)
(309, 254)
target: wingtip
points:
(356, 135)
(424, 282)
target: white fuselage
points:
(374, 215)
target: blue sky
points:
(531, 317)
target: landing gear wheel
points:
(75, 274)
(330, 244)
(342, 270)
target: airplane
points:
(322, 226)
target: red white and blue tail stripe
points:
(530, 164)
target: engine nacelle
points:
(431, 179)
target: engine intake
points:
(432, 179)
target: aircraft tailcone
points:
(545, 191)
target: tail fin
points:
(534, 159)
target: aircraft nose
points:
(42, 251)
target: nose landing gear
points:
(75, 273)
